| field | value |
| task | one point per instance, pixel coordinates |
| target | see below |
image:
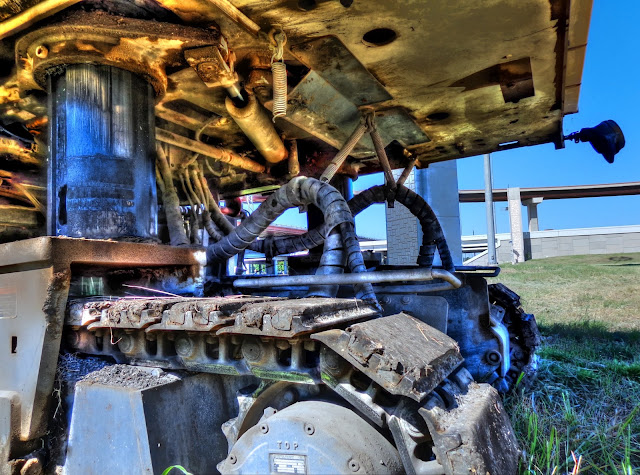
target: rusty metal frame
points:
(143, 47)
(35, 275)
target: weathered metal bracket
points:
(210, 65)
(158, 314)
(400, 353)
(475, 434)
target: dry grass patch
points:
(596, 288)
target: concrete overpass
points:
(556, 192)
(532, 197)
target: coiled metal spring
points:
(279, 72)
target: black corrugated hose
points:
(432, 235)
(300, 191)
(331, 262)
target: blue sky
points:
(610, 90)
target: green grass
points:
(582, 415)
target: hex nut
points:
(333, 363)
(289, 397)
(309, 429)
(310, 345)
(282, 344)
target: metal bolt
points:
(310, 345)
(126, 343)
(264, 428)
(184, 346)
(405, 300)
(309, 429)
(289, 397)
(354, 465)
(282, 344)
(232, 459)
(42, 52)
(332, 363)
(252, 350)
(493, 357)
(385, 300)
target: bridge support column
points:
(532, 212)
(437, 184)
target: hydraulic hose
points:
(433, 236)
(171, 202)
(331, 262)
(300, 191)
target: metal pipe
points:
(344, 152)
(488, 199)
(375, 277)
(384, 160)
(220, 154)
(28, 17)
(170, 200)
(406, 172)
(255, 123)
(237, 16)
(294, 163)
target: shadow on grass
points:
(589, 330)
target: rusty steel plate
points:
(476, 433)
(61, 252)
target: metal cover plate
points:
(431, 310)
(335, 63)
(323, 111)
(402, 354)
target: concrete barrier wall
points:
(568, 242)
